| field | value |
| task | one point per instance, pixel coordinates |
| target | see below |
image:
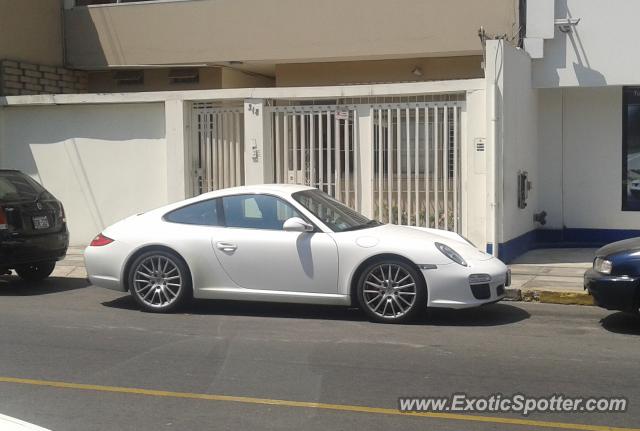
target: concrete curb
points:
(549, 296)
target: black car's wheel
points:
(36, 271)
(391, 291)
(160, 281)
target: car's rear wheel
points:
(159, 281)
(391, 291)
(35, 271)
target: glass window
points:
(257, 211)
(18, 186)
(631, 149)
(202, 213)
(337, 216)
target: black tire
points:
(367, 293)
(36, 271)
(161, 287)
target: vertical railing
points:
(219, 153)
(415, 157)
(317, 146)
(416, 164)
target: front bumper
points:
(448, 286)
(21, 250)
(612, 292)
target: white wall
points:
(517, 135)
(550, 157)
(474, 171)
(104, 162)
(581, 158)
(601, 50)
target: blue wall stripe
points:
(559, 238)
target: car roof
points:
(280, 189)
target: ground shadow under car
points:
(15, 286)
(489, 315)
(622, 323)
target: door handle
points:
(227, 247)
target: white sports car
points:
(289, 243)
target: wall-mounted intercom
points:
(524, 185)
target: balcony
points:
(257, 35)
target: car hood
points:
(7, 423)
(409, 234)
(631, 244)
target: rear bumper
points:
(612, 292)
(24, 250)
(104, 265)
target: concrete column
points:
(474, 169)
(365, 147)
(258, 145)
(177, 129)
(494, 81)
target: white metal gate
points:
(416, 164)
(414, 150)
(219, 147)
(318, 146)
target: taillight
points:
(100, 240)
(61, 214)
(3, 220)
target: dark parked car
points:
(33, 228)
(614, 280)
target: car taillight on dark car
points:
(61, 215)
(100, 240)
(3, 220)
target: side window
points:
(257, 211)
(202, 213)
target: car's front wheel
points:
(391, 291)
(159, 281)
(35, 271)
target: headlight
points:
(450, 253)
(602, 265)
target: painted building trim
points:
(320, 92)
(560, 238)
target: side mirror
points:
(296, 224)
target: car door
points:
(257, 254)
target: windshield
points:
(337, 216)
(18, 186)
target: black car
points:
(614, 279)
(33, 228)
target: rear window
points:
(18, 186)
(202, 213)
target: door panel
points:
(278, 260)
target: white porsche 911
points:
(289, 243)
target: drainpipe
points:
(493, 139)
(497, 148)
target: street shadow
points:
(252, 309)
(490, 315)
(622, 323)
(15, 286)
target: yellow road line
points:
(311, 405)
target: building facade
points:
(486, 117)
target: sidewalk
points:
(73, 264)
(551, 276)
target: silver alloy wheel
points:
(389, 291)
(157, 281)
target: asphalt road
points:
(66, 332)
